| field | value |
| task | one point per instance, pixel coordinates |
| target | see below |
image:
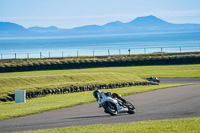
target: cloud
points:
(181, 13)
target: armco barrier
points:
(72, 89)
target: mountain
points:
(6, 26)
(113, 24)
(45, 29)
(147, 24)
(12, 29)
(138, 25)
(148, 21)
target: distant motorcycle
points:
(153, 79)
(113, 103)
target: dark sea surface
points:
(34, 47)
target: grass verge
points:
(141, 71)
(187, 125)
(12, 65)
(51, 102)
(55, 78)
(9, 85)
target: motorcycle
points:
(113, 103)
(153, 79)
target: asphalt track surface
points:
(176, 102)
(179, 80)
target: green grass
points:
(141, 71)
(187, 125)
(54, 78)
(51, 102)
(50, 61)
(35, 82)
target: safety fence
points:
(97, 52)
(92, 63)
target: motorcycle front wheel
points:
(131, 108)
(110, 108)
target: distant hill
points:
(45, 29)
(150, 24)
(12, 29)
(147, 24)
(6, 26)
(148, 21)
(114, 24)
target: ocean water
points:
(67, 46)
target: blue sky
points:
(75, 13)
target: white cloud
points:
(182, 13)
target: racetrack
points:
(179, 80)
(177, 102)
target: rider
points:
(114, 95)
(153, 78)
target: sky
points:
(75, 13)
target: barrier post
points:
(20, 96)
(129, 51)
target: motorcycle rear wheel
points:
(110, 108)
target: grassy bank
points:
(16, 65)
(51, 102)
(81, 59)
(141, 71)
(187, 125)
(55, 78)
(40, 82)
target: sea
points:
(97, 45)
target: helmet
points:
(95, 94)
